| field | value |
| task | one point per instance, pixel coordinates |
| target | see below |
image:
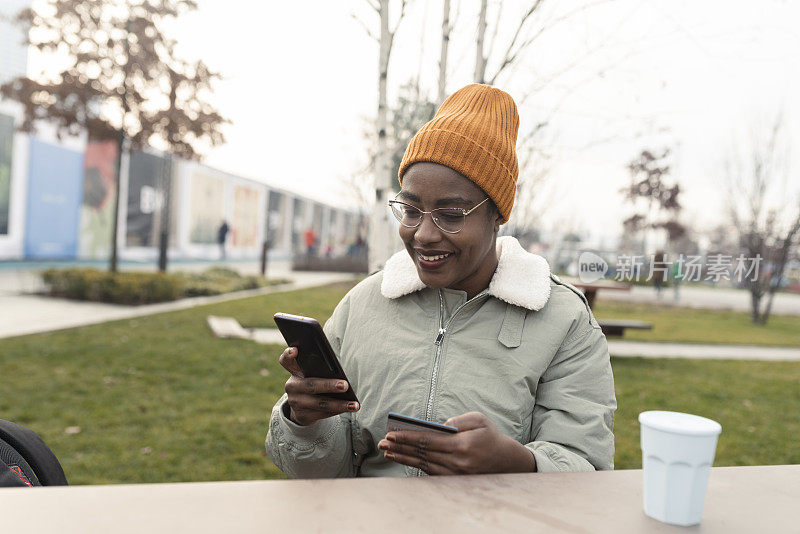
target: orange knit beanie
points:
(474, 133)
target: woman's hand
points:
(307, 401)
(478, 447)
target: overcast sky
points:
(301, 79)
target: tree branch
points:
(366, 28)
(508, 57)
(403, 5)
(454, 18)
(494, 32)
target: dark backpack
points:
(25, 460)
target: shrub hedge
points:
(217, 280)
(145, 287)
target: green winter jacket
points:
(526, 352)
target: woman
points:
(462, 327)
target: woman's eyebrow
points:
(409, 196)
(453, 200)
(448, 201)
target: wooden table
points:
(739, 499)
(590, 289)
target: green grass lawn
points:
(689, 325)
(157, 399)
(757, 404)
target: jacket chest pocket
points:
(484, 376)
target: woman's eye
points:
(451, 216)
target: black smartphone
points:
(314, 353)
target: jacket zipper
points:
(438, 342)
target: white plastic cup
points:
(677, 453)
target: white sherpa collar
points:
(521, 278)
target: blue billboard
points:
(54, 197)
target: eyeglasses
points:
(449, 220)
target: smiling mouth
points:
(433, 260)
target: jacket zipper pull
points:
(439, 337)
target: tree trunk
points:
(112, 264)
(780, 267)
(480, 59)
(755, 305)
(166, 212)
(768, 306)
(120, 149)
(380, 230)
(443, 55)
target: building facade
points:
(60, 197)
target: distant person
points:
(356, 247)
(222, 236)
(677, 278)
(360, 245)
(310, 238)
(659, 271)
(461, 327)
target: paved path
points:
(22, 313)
(30, 314)
(702, 352)
(704, 297)
(642, 349)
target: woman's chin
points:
(434, 281)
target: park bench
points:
(616, 327)
(610, 327)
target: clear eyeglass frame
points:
(448, 220)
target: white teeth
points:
(434, 258)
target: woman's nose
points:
(427, 231)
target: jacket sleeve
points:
(319, 450)
(573, 419)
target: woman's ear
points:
(497, 222)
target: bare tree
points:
(768, 225)
(480, 58)
(405, 117)
(534, 196)
(531, 200)
(514, 49)
(649, 183)
(381, 235)
(123, 80)
(489, 66)
(446, 29)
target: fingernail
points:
(341, 386)
(388, 455)
(353, 406)
(383, 445)
(390, 437)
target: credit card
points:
(396, 421)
